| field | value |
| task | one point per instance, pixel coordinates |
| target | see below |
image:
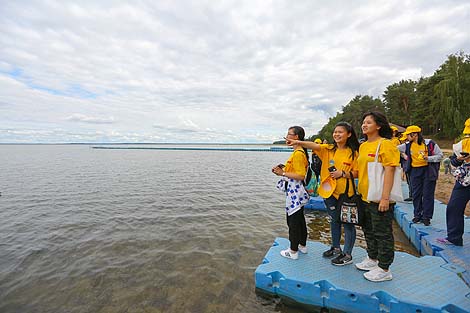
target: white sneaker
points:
(290, 254)
(303, 249)
(367, 264)
(378, 274)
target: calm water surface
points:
(86, 230)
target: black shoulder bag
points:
(351, 209)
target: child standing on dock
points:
(377, 225)
(338, 160)
(292, 183)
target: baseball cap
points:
(412, 129)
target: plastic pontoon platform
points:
(315, 204)
(437, 282)
(423, 284)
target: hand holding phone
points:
(279, 166)
(332, 169)
(464, 154)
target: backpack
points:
(311, 184)
(316, 164)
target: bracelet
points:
(284, 174)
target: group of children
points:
(347, 157)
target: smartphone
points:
(332, 169)
(464, 154)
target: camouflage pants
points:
(378, 232)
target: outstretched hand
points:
(291, 142)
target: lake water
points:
(89, 230)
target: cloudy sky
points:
(207, 71)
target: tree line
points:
(439, 104)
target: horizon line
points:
(136, 143)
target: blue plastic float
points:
(423, 284)
(437, 282)
(315, 204)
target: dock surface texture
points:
(436, 282)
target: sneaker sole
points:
(342, 264)
(379, 280)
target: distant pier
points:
(270, 149)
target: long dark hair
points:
(420, 138)
(352, 142)
(300, 132)
(380, 119)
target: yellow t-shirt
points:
(466, 145)
(388, 156)
(395, 141)
(297, 163)
(343, 161)
(417, 154)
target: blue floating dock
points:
(424, 237)
(423, 284)
(315, 204)
(437, 282)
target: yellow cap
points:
(394, 128)
(318, 140)
(466, 130)
(412, 129)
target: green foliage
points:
(400, 101)
(451, 105)
(439, 104)
(352, 113)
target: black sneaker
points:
(342, 259)
(416, 220)
(426, 222)
(331, 252)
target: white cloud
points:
(90, 119)
(226, 71)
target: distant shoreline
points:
(141, 143)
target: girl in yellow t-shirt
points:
(377, 225)
(395, 138)
(338, 160)
(293, 173)
(423, 157)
